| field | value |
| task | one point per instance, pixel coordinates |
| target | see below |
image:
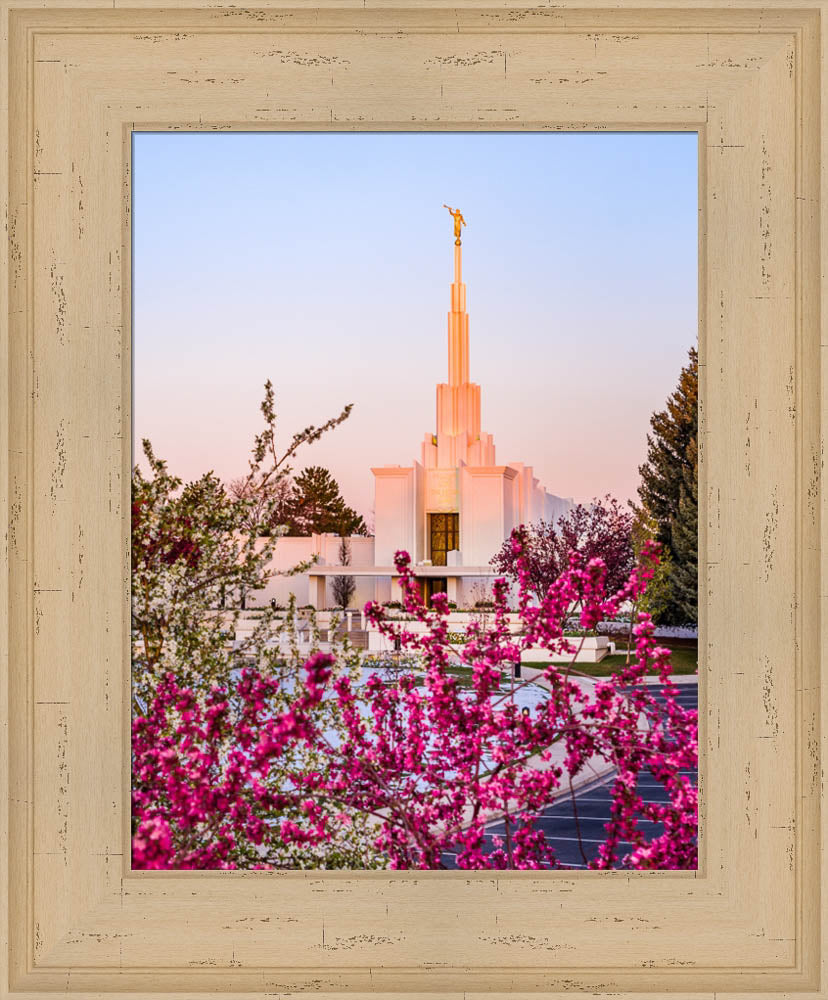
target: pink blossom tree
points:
(422, 761)
(602, 529)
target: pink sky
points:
(581, 310)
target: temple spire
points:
(459, 438)
(458, 326)
(458, 320)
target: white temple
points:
(452, 509)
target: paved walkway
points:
(593, 806)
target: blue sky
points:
(323, 261)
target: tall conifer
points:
(668, 490)
(686, 542)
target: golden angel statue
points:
(459, 221)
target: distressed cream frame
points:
(81, 76)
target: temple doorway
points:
(433, 585)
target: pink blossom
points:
(428, 763)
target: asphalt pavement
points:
(592, 802)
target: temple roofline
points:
(390, 470)
(491, 470)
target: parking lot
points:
(592, 805)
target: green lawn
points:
(685, 660)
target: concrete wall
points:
(556, 506)
(473, 588)
(486, 510)
(420, 548)
(394, 512)
(534, 502)
(292, 550)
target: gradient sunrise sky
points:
(323, 262)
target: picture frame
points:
(81, 78)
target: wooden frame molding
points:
(81, 78)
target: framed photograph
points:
(487, 727)
(200, 196)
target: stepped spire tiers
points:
(458, 438)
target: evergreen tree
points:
(351, 523)
(686, 542)
(668, 491)
(319, 506)
(659, 591)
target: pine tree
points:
(668, 490)
(319, 505)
